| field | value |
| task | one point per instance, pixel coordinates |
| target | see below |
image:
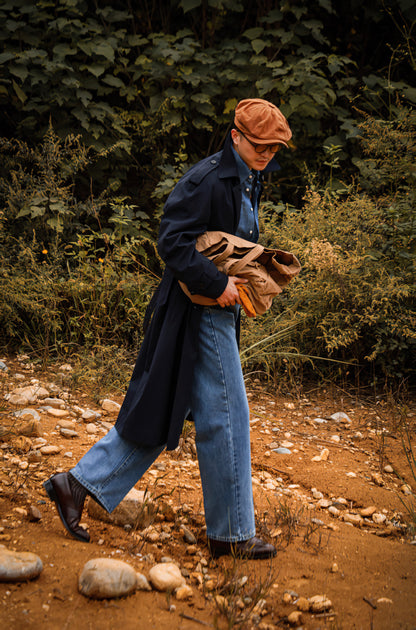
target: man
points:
(189, 359)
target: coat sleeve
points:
(186, 215)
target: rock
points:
(295, 618)
(34, 514)
(32, 428)
(377, 479)
(3, 367)
(368, 511)
(316, 494)
(131, 511)
(334, 511)
(58, 413)
(352, 475)
(184, 592)
(282, 451)
(334, 568)
(379, 519)
(406, 489)
(19, 566)
(303, 604)
(340, 416)
(58, 403)
(32, 393)
(18, 399)
(91, 428)
(354, 519)
(388, 469)
(110, 405)
(50, 449)
(320, 420)
(103, 578)
(335, 438)
(68, 433)
(166, 577)
(320, 603)
(142, 583)
(88, 415)
(323, 503)
(22, 443)
(286, 444)
(287, 598)
(27, 414)
(65, 424)
(188, 536)
(322, 457)
(33, 457)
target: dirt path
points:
(310, 509)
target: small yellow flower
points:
(44, 251)
(101, 260)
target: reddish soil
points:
(368, 572)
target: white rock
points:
(335, 438)
(351, 474)
(166, 577)
(19, 566)
(27, 414)
(142, 582)
(110, 405)
(58, 413)
(89, 414)
(388, 468)
(106, 578)
(68, 433)
(340, 416)
(379, 519)
(91, 428)
(334, 511)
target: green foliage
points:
(158, 76)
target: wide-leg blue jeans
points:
(221, 415)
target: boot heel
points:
(49, 490)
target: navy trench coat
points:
(208, 197)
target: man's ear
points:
(234, 136)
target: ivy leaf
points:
(104, 49)
(19, 71)
(96, 69)
(19, 92)
(6, 56)
(258, 45)
(113, 81)
(188, 5)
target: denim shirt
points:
(248, 226)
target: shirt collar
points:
(243, 170)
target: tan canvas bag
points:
(267, 270)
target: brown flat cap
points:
(262, 122)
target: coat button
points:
(213, 161)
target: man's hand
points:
(230, 296)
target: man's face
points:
(254, 160)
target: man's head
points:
(260, 129)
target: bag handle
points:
(251, 255)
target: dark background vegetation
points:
(103, 105)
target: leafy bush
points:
(354, 300)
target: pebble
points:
(142, 582)
(320, 603)
(58, 413)
(110, 405)
(379, 519)
(184, 592)
(368, 511)
(322, 457)
(340, 416)
(388, 469)
(103, 578)
(91, 428)
(68, 433)
(282, 451)
(19, 566)
(166, 576)
(50, 449)
(354, 519)
(295, 618)
(188, 536)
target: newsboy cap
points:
(262, 122)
